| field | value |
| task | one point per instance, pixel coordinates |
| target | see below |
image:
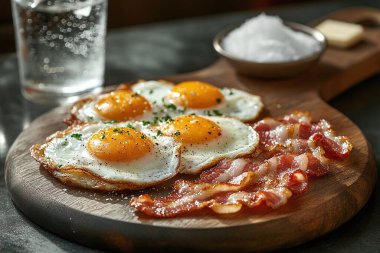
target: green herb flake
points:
(155, 120)
(118, 130)
(182, 111)
(150, 91)
(145, 122)
(177, 133)
(231, 93)
(102, 136)
(171, 107)
(143, 136)
(134, 94)
(217, 113)
(130, 126)
(159, 133)
(166, 118)
(110, 122)
(77, 136)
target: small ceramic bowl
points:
(273, 70)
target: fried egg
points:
(154, 100)
(110, 156)
(119, 105)
(200, 98)
(207, 140)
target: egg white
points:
(160, 164)
(237, 139)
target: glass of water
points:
(61, 47)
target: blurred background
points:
(122, 13)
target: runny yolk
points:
(197, 95)
(121, 105)
(119, 144)
(192, 129)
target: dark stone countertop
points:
(169, 48)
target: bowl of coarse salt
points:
(267, 47)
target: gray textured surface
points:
(176, 47)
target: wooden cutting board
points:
(106, 220)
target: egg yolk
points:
(121, 105)
(191, 129)
(119, 144)
(197, 95)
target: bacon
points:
(292, 150)
(271, 183)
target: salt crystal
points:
(266, 39)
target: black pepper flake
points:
(218, 100)
(177, 133)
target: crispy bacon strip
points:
(291, 150)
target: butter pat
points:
(341, 34)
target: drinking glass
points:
(60, 46)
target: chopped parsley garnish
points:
(130, 126)
(143, 136)
(155, 120)
(218, 100)
(150, 91)
(90, 118)
(118, 130)
(177, 133)
(182, 110)
(59, 166)
(77, 136)
(231, 93)
(159, 133)
(169, 106)
(102, 136)
(217, 113)
(166, 118)
(145, 122)
(110, 122)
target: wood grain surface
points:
(106, 220)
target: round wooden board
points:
(107, 221)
